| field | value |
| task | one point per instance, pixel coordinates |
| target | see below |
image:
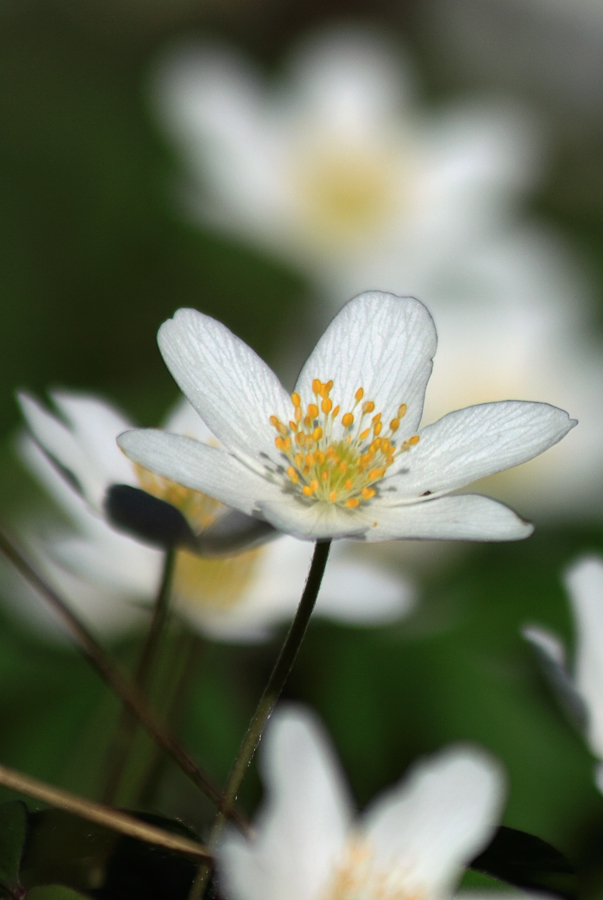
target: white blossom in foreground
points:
(413, 841)
(343, 455)
(584, 582)
(103, 570)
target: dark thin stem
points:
(121, 744)
(272, 692)
(117, 680)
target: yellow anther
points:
(386, 446)
(293, 475)
(377, 428)
(317, 433)
(359, 394)
(367, 493)
(374, 474)
(414, 440)
(314, 484)
(319, 457)
(347, 420)
(333, 496)
(328, 387)
(368, 407)
(364, 434)
(317, 386)
(293, 426)
(312, 411)
(279, 443)
(305, 470)
(343, 467)
(375, 445)
(298, 459)
(394, 424)
(377, 417)
(336, 412)
(295, 399)
(307, 491)
(402, 410)
(326, 405)
(274, 421)
(348, 484)
(309, 459)
(297, 414)
(325, 476)
(352, 502)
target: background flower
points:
(107, 573)
(415, 838)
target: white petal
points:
(584, 581)
(546, 643)
(551, 655)
(467, 517)
(95, 425)
(61, 445)
(312, 521)
(198, 466)
(382, 343)
(360, 592)
(302, 827)
(436, 820)
(232, 389)
(477, 441)
(184, 419)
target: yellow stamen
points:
(359, 394)
(352, 502)
(347, 420)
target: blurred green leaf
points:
(53, 892)
(527, 862)
(13, 830)
(63, 849)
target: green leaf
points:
(54, 892)
(13, 830)
(63, 849)
(527, 862)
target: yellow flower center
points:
(347, 190)
(214, 583)
(341, 461)
(357, 877)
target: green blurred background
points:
(93, 257)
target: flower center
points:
(338, 460)
(348, 190)
(217, 584)
(357, 877)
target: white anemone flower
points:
(343, 455)
(107, 574)
(338, 169)
(583, 689)
(413, 841)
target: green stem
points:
(116, 679)
(272, 692)
(121, 745)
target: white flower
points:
(103, 570)
(339, 170)
(584, 582)
(413, 841)
(342, 456)
(335, 169)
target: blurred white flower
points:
(413, 841)
(353, 465)
(338, 169)
(75, 456)
(582, 691)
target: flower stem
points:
(116, 679)
(121, 744)
(99, 813)
(272, 692)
